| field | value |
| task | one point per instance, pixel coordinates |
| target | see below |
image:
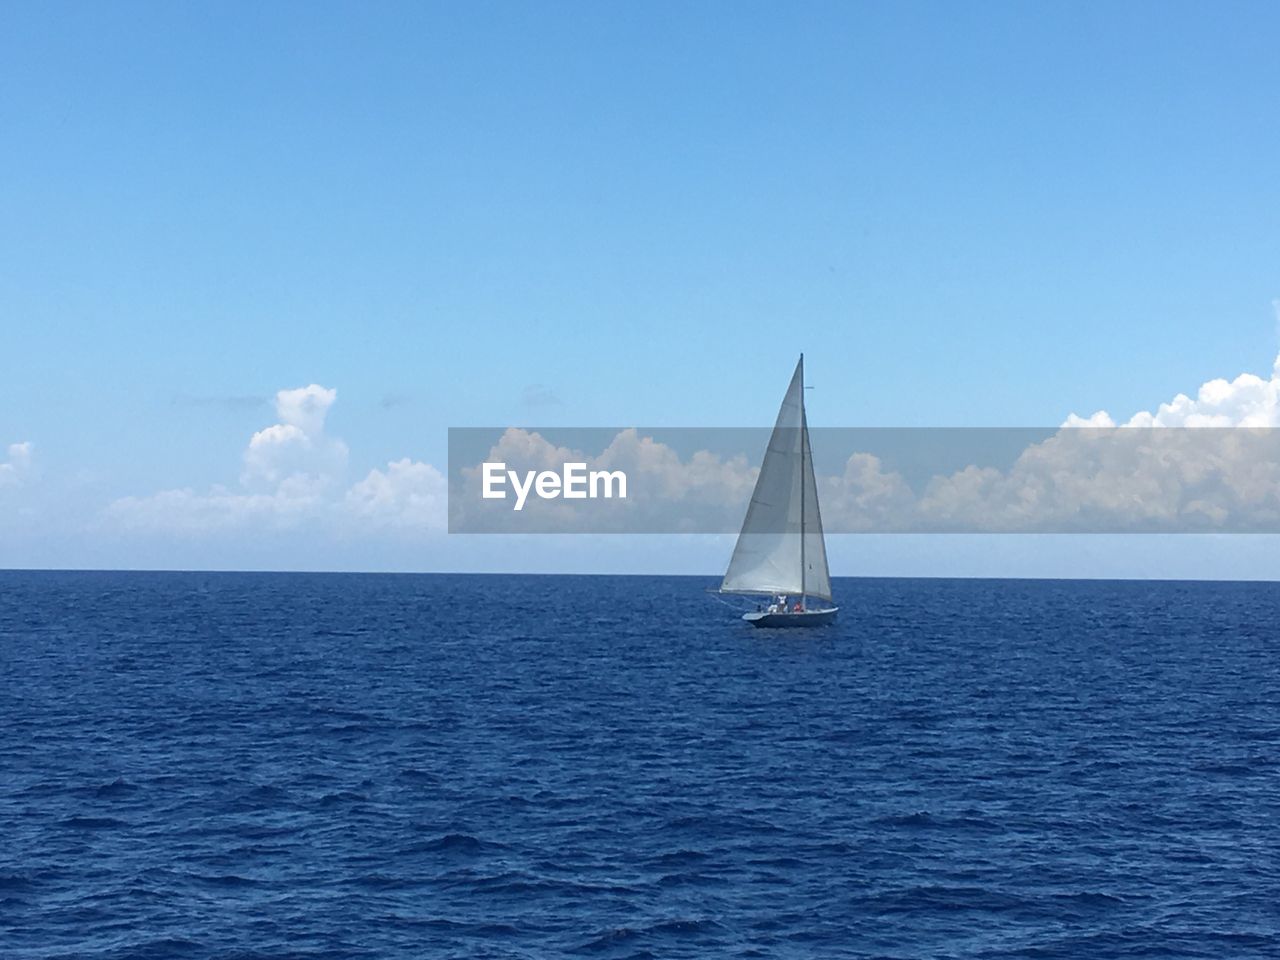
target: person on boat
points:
(799, 607)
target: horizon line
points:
(683, 576)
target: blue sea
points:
(381, 766)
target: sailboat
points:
(780, 551)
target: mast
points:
(804, 443)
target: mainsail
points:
(780, 549)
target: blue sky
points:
(984, 215)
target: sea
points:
(274, 766)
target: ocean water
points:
(348, 766)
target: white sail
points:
(817, 577)
(780, 549)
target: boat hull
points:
(782, 621)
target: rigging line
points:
(731, 606)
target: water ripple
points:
(322, 766)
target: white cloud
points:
(1246, 401)
(703, 478)
(296, 449)
(292, 476)
(1099, 419)
(305, 407)
(865, 496)
(18, 467)
(1089, 477)
(1092, 475)
(407, 495)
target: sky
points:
(420, 216)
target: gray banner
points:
(870, 480)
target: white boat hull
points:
(803, 618)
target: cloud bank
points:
(1148, 473)
(1211, 462)
(1246, 401)
(292, 476)
(1153, 474)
